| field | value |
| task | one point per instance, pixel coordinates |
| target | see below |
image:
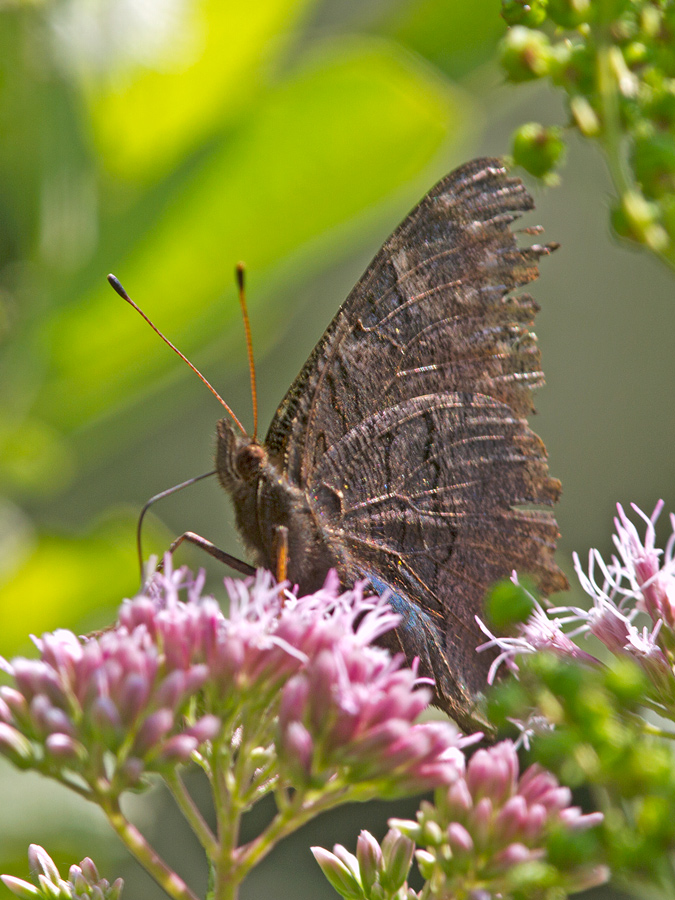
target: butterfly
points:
(401, 453)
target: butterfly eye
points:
(248, 461)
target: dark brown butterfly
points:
(401, 452)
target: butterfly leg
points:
(281, 541)
(237, 564)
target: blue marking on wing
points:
(408, 611)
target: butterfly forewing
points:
(406, 430)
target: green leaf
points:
(333, 140)
(146, 118)
(67, 579)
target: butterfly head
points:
(239, 458)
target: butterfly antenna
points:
(117, 287)
(240, 272)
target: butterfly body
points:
(402, 453)
(264, 499)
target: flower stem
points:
(292, 817)
(141, 850)
(193, 816)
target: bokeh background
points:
(164, 141)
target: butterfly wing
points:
(406, 427)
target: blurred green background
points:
(165, 141)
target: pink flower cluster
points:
(489, 820)
(639, 578)
(491, 813)
(176, 677)
(105, 709)
(352, 710)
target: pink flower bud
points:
(294, 697)
(105, 717)
(89, 870)
(338, 874)
(298, 747)
(514, 854)
(369, 856)
(63, 747)
(170, 691)
(512, 819)
(15, 746)
(459, 838)
(397, 852)
(20, 888)
(575, 820)
(324, 679)
(178, 748)
(481, 822)
(491, 773)
(205, 729)
(41, 862)
(195, 678)
(153, 730)
(459, 798)
(536, 820)
(131, 771)
(16, 702)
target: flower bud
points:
(153, 730)
(525, 54)
(537, 149)
(397, 851)
(89, 870)
(638, 219)
(177, 749)
(515, 854)
(369, 855)
(531, 13)
(584, 116)
(42, 863)
(297, 748)
(338, 874)
(206, 728)
(63, 747)
(131, 771)
(426, 863)
(20, 888)
(15, 746)
(569, 13)
(459, 838)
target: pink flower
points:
(640, 579)
(495, 818)
(297, 672)
(539, 632)
(351, 711)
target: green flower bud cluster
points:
(601, 742)
(615, 60)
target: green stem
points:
(228, 814)
(293, 816)
(193, 816)
(611, 118)
(657, 732)
(141, 850)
